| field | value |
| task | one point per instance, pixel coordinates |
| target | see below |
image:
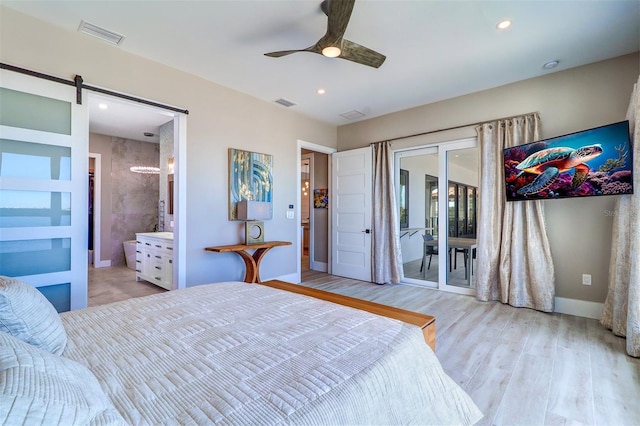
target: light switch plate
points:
(290, 214)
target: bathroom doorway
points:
(133, 147)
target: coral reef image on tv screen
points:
(591, 162)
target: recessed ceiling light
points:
(551, 64)
(504, 24)
(103, 106)
(321, 92)
(148, 134)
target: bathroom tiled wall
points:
(134, 204)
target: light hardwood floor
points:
(520, 366)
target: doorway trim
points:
(301, 144)
(180, 185)
(311, 223)
(97, 207)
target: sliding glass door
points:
(439, 181)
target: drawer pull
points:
(158, 257)
(158, 267)
(138, 270)
(138, 251)
(170, 260)
(169, 248)
(158, 246)
(158, 278)
(138, 261)
(147, 244)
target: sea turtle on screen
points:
(549, 163)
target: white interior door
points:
(43, 188)
(351, 214)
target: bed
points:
(224, 353)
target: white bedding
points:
(236, 353)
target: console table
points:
(251, 261)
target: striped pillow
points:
(26, 314)
(40, 388)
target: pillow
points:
(26, 314)
(37, 387)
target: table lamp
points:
(253, 213)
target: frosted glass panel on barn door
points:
(43, 190)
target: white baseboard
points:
(319, 266)
(580, 308)
(290, 278)
(102, 264)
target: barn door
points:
(43, 187)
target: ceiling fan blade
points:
(313, 49)
(282, 53)
(338, 18)
(363, 55)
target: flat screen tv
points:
(592, 162)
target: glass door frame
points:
(442, 149)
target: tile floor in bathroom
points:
(117, 283)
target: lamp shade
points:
(254, 210)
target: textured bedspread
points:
(236, 353)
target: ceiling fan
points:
(332, 44)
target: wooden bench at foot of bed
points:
(426, 322)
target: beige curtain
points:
(621, 311)
(386, 263)
(514, 259)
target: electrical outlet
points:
(586, 279)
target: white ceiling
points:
(435, 49)
(125, 120)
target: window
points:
(462, 210)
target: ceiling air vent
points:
(352, 115)
(101, 33)
(285, 102)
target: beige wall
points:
(101, 144)
(579, 229)
(219, 118)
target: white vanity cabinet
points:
(154, 258)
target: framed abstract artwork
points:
(320, 198)
(250, 179)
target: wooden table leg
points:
(251, 270)
(257, 256)
(252, 264)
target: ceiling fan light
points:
(331, 51)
